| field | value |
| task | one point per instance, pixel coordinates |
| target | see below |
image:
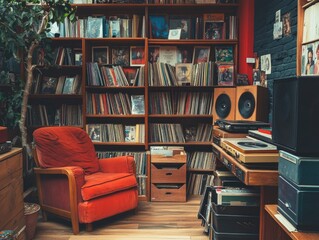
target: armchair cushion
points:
(101, 184)
(65, 146)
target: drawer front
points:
(298, 204)
(8, 167)
(159, 194)
(168, 175)
(11, 197)
(17, 223)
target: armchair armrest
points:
(123, 164)
(60, 188)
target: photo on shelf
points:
(49, 85)
(181, 23)
(224, 54)
(184, 73)
(68, 85)
(185, 55)
(137, 56)
(201, 54)
(159, 26)
(121, 56)
(100, 54)
(94, 131)
(225, 74)
(174, 34)
(153, 54)
(137, 104)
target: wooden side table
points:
(11, 192)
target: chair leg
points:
(89, 227)
(75, 227)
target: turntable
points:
(248, 150)
(240, 126)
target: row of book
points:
(114, 75)
(101, 27)
(114, 103)
(164, 132)
(56, 85)
(200, 160)
(181, 103)
(197, 183)
(67, 56)
(140, 159)
(63, 115)
(116, 132)
(198, 133)
(183, 74)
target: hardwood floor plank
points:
(153, 220)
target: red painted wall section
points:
(246, 37)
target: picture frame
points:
(137, 56)
(158, 26)
(181, 23)
(49, 85)
(214, 30)
(100, 54)
(185, 55)
(201, 54)
(121, 56)
(225, 73)
(153, 54)
(174, 33)
(183, 73)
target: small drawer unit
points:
(168, 177)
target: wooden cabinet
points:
(11, 192)
(168, 178)
(275, 229)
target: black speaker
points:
(295, 120)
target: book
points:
(168, 55)
(68, 85)
(94, 131)
(183, 73)
(224, 54)
(94, 27)
(49, 85)
(225, 74)
(130, 134)
(137, 104)
(214, 26)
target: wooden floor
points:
(153, 220)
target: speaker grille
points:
(223, 105)
(246, 105)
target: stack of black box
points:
(295, 130)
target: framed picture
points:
(100, 54)
(121, 56)
(137, 56)
(224, 54)
(225, 74)
(183, 73)
(181, 23)
(201, 54)
(185, 55)
(159, 26)
(153, 54)
(174, 33)
(214, 30)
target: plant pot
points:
(31, 213)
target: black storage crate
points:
(234, 236)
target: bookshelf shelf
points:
(103, 116)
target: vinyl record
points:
(223, 105)
(246, 104)
(253, 144)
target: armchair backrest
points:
(65, 146)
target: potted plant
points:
(23, 28)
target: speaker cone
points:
(223, 105)
(246, 105)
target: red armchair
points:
(73, 183)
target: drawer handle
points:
(169, 174)
(287, 205)
(168, 193)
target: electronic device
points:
(218, 134)
(5, 147)
(295, 115)
(252, 103)
(248, 150)
(242, 126)
(224, 103)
